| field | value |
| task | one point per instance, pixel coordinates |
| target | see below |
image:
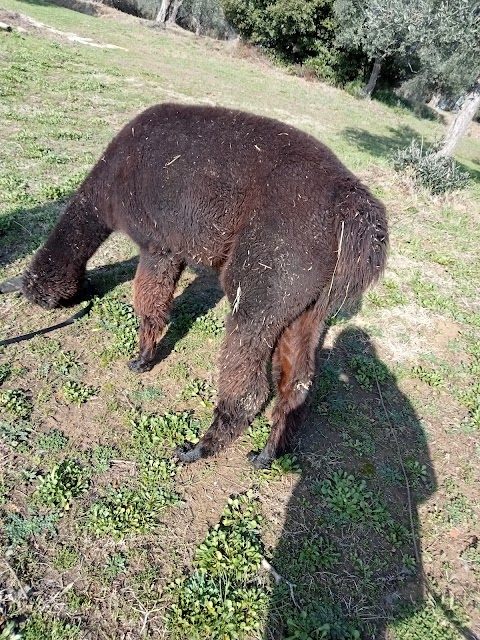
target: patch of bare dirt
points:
(25, 24)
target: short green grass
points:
(90, 492)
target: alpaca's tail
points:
(361, 236)
(56, 272)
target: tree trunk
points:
(163, 12)
(368, 90)
(459, 126)
(173, 15)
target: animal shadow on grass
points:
(347, 542)
(201, 295)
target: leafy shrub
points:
(76, 392)
(201, 389)
(205, 17)
(439, 175)
(125, 511)
(350, 500)
(64, 482)
(172, 429)
(54, 440)
(118, 318)
(335, 66)
(15, 401)
(293, 28)
(220, 600)
(368, 370)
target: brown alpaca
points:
(292, 233)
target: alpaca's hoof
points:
(140, 366)
(189, 452)
(260, 460)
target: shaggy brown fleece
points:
(293, 234)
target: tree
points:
(461, 123)
(381, 28)
(296, 29)
(449, 55)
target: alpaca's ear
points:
(11, 285)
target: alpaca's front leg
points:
(153, 287)
(242, 388)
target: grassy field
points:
(369, 529)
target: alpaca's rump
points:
(292, 233)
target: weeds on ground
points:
(324, 623)
(15, 402)
(280, 466)
(119, 319)
(19, 529)
(432, 620)
(201, 389)
(430, 376)
(62, 484)
(54, 441)
(114, 566)
(258, 433)
(41, 627)
(65, 558)
(169, 430)
(76, 392)
(349, 500)
(318, 554)
(209, 325)
(5, 371)
(125, 511)
(367, 370)
(17, 435)
(221, 599)
(102, 456)
(387, 295)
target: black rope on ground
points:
(14, 284)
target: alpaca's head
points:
(49, 285)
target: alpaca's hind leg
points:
(242, 388)
(153, 289)
(293, 371)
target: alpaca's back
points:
(197, 179)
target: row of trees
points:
(431, 46)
